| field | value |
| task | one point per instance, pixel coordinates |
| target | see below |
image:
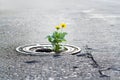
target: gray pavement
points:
(90, 22)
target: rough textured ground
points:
(90, 22)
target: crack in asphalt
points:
(94, 64)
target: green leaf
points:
(49, 38)
(62, 35)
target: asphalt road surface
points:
(95, 23)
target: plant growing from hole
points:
(57, 38)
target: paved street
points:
(95, 23)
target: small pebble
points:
(51, 79)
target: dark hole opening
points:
(43, 50)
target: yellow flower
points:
(57, 27)
(63, 25)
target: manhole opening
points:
(38, 49)
(45, 49)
